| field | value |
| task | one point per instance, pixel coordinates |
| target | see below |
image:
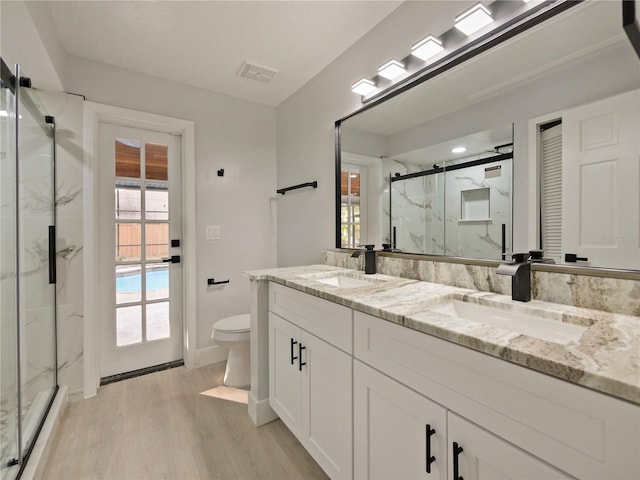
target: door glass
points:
(158, 321)
(127, 158)
(142, 241)
(156, 201)
(157, 281)
(156, 161)
(128, 284)
(127, 200)
(157, 241)
(128, 325)
(128, 246)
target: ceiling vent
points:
(256, 72)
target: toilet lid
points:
(237, 323)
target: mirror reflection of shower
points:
(450, 200)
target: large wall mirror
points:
(550, 123)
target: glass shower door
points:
(9, 442)
(36, 220)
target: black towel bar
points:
(302, 185)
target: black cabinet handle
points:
(430, 459)
(300, 362)
(457, 450)
(293, 342)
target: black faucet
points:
(369, 258)
(520, 271)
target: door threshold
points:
(138, 373)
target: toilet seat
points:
(232, 329)
(237, 323)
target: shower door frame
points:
(18, 82)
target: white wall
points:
(233, 134)
(27, 39)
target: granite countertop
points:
(603, 355)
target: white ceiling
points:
(203, 43)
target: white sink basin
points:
(523, 323)
(344, 281)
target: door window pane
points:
(157, 240)
(158, 321)
(156, 202)
(128, 284)
(156, 161)
(127, 200)
(127, 158)
(128, 240)
(128, 325)
(157, 281)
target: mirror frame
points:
(503, 33)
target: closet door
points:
(601, 197)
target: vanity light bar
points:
(392, 69)
(473, 19)
(363, 87)
(427, 48)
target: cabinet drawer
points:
(582, 432)
(329, 321)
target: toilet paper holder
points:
(212, 281)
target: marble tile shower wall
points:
(472, 203)
(599, 293)
(68, 112)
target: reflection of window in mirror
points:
(351, 209)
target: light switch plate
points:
(213, 232)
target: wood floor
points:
(159, 426)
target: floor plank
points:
(160, 426)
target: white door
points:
(601, 168)
(398, 434)
(483, 456)
(284, 371)
(140, 229)
(327, 405)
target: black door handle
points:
(172, 259)
(457, 450)
(293, 342)
(572, 257)
(430, 458)
(300, 362)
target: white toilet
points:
(233, 333)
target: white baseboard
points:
(260, 411)
(210, 355)
(42, 448)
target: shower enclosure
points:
(28, 370)
(456, 208)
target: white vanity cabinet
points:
(541, 426)
(310, 380)
(398, 434)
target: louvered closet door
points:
(551, 179)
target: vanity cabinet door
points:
(284, 372)
(327, 406)
(481, 455)
(398, 434)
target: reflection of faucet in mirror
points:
(520, 271)
(369, 258)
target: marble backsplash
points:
(600, 293)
